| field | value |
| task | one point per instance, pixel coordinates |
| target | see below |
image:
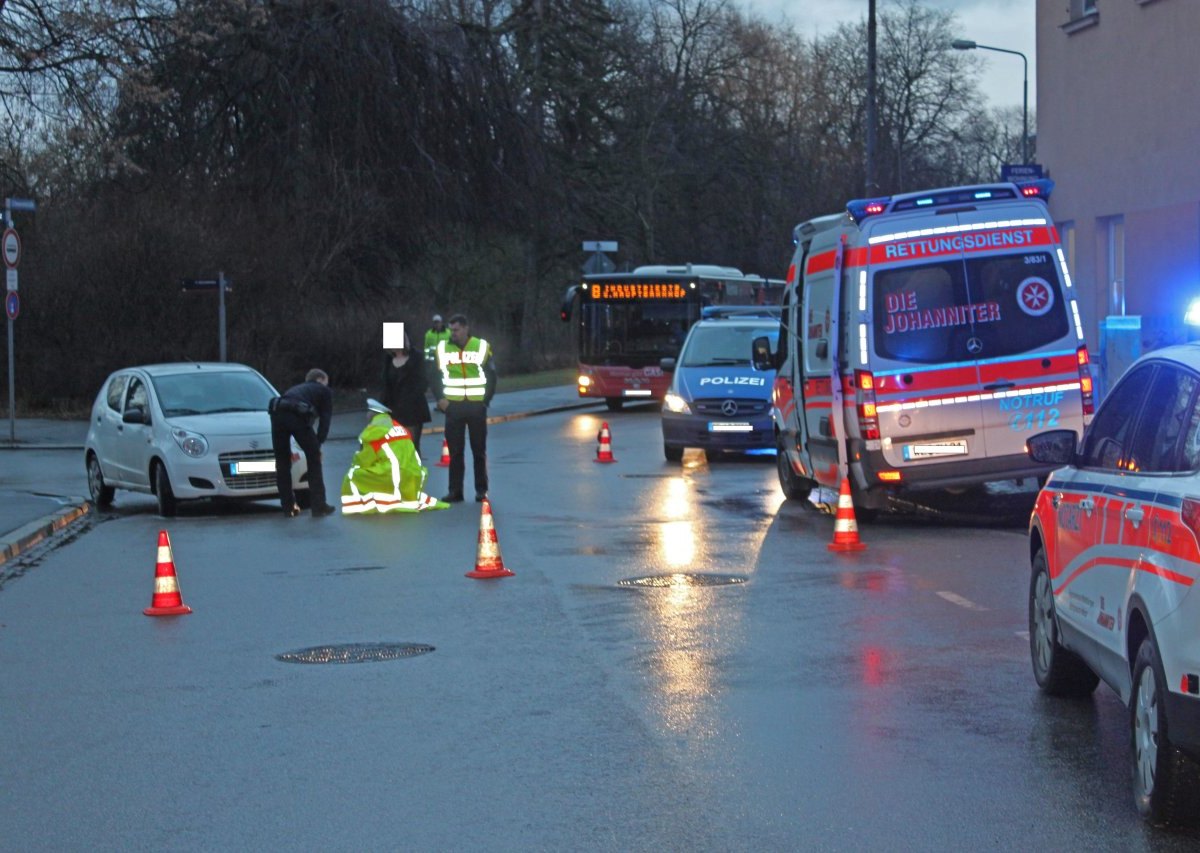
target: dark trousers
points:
(415, 431)
(461, 418)
(284, 427)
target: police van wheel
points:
(101, 492)
(794, 487)
(167, 504)
(673, 453)
(615, 404)
(1058, 672)
(1164, 779)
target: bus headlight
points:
(674, 403)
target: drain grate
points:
(682, 579)
(354, 653)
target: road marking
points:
(954, 598)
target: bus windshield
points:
(635, 332)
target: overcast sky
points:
(999, 23)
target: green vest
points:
(432, 339)
(462, 369)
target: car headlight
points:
(674, 403)
(191, 443)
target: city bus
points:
(627, 323)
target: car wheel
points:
(615, 404)
(167, 503)
(101, 492)
(1164, 779)
(673, 453)
(795, 488)
(1058, 672)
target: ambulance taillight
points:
(1085, 381)
(868, 415)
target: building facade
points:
(1118, 130)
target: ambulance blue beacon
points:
(1114, 552)
(718, 400)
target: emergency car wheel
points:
(1164, 779)
(1058, 671)
(794, 487)
(167, 503)
(673, 453)
(615, 404)
(102, 494)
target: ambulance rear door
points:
(921, 350)
(1022, 332)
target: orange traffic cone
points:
(604, 450)
(488, 562)
(166, 601)
(845, 528)
(444, 462)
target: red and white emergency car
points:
(1115, 557)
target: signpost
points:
(221, 285)
(10, 245)
(1021, 172)
(599, 262)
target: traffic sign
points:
(205, 284)
(12, 248)
(1021, 172)
(599, 245)
(10, 280)
(12, 304)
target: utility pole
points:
(871, 185)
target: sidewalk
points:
(27, 519)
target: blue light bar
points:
(860, 209)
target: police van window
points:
(1107, 442)
(116, 390)
(981, 308)
(1171, 402)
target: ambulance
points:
(925, 337)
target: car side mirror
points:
(135, 415)
(667, 363)
(1056, 447)
(760, 354)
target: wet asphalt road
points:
(679, 663)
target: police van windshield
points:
(977, 308)
(717, 345)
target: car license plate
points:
(253, 466)
(729, 426)
(935, 448)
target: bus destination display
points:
(614, 291)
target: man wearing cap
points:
(434, 336)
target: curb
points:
(24, 538)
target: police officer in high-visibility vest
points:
(434, 336)
(464, 384)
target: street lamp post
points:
(966, 44)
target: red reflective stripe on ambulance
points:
(782, 396)
(825, 260)
(924, 383)
(1061, 368)
(969, 242)
(1124, 563)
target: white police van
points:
(718, 401)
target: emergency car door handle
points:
(1134, 515)
(999, 386)
(1087, 505)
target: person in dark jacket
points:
(404, 385)
(292, 416)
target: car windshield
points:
(212, 393)
(717, 345)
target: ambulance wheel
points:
(1058, 672)
(615, 404)
(167, 504)
(1164, 779)
(673, 453)
(794, 487)
(101, 492)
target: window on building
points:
(1082, 14)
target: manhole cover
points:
(354, 653)
(682, 579)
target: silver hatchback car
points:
(185, 431)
